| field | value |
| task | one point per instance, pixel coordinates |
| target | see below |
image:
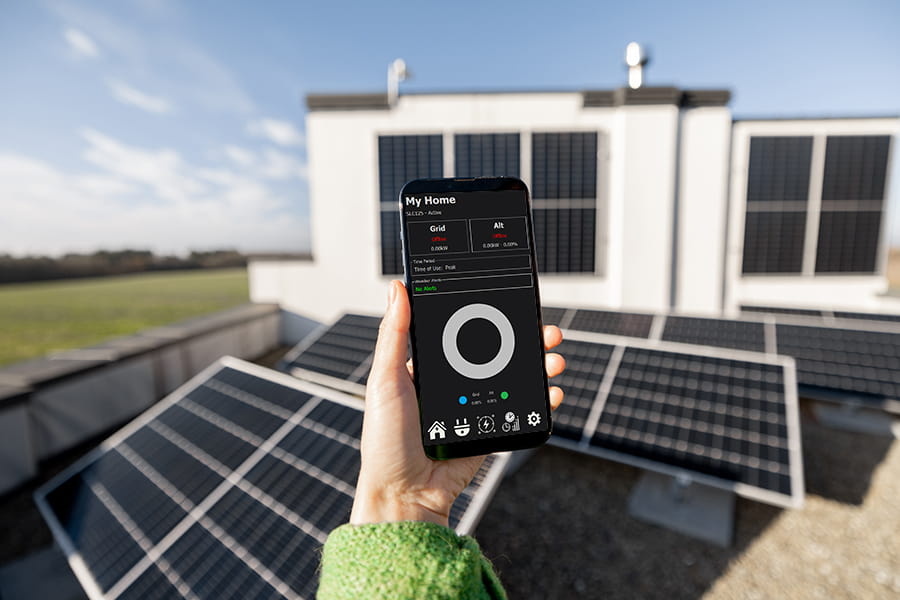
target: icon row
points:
(485, 425)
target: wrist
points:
(382, 506)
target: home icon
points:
(437, 431)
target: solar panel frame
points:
(793, 500)
(473, 500)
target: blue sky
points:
(179, 125)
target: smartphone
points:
(476, 336)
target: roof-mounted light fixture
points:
(635, 58)
(397, 72)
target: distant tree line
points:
(103, 262)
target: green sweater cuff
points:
(403, 560)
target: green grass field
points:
(36, 318)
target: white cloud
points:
(139, 197)
(269, 164)
(126, 94)
(169, 60)
(279, 132)
(80, 43)
(278, 165)
(240, 156)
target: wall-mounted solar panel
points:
(866, 316)
(725, 418)
(486, 154)
(225, 489)
(400, 159)
(339, 355)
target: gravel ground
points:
(558, 528)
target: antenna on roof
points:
(635, 58)
(397, 72)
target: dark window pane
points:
(773, 242)
(487, 154)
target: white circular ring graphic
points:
(451, 349)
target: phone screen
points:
(475, 331)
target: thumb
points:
(393, 334)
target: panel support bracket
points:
(683, 505)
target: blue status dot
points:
(463, 399)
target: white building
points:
(651, 198)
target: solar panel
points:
(564, 189)
(727, 418)
(585, 367)
(863, 364)
(781, 310)
(338, 355)
(225, 489)
(741, 335)
(613, 322)
(400, 159)
(840, 358)
(553, 315)
(864, 316)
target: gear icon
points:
(534, 419)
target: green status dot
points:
(504, 395)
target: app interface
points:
(476, 338)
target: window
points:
(564, 187)
(400, 159)
(852, 203)
(486, 154)
(849, 215)
(777, 195)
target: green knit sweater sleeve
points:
(404, 560)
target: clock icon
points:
(486, 424)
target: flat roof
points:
(591, 98)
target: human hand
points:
(397, 482)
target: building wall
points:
(670, 205)
(702, 210)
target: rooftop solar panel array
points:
(848, 357)
(227, 488)
(823, 313)
(729, 418)
(339, 355)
